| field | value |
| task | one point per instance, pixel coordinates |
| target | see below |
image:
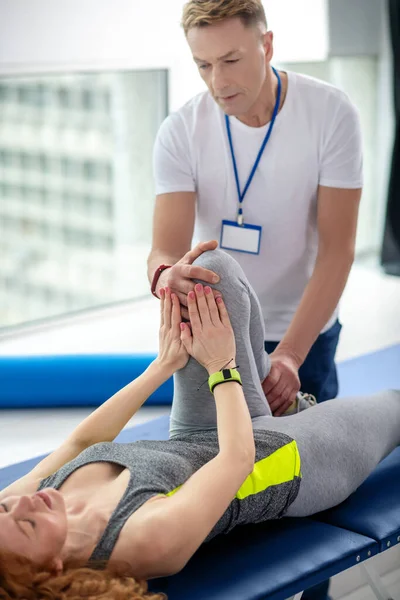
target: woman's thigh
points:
(340, 442)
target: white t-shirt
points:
(316, 140)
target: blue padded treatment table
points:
(274, 560)
(278, 559)
(88, 380)
(374, 509)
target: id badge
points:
(241, 238)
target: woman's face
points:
(34, 526)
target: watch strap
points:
(156, 277)
(223, 376)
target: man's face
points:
(232, 60)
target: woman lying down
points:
(140, 510)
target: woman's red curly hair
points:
(21, 579)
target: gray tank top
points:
(160, 467)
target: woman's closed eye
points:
(32, 523)
(23, 520)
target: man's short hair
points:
(200, 13)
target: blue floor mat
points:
(370, 373)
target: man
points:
(270, 164)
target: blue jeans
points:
(318, 376)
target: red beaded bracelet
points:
(156, 277)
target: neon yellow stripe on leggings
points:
(280, 467)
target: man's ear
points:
(268, 43)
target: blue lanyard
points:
(241, 195)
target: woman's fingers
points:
(167, 308)
(223, 313)
(212, 305)
(193, 312)
(205, 309)
(162, 302)
(186, 337)
(202, 305)
(175, 313)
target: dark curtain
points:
(390, 255)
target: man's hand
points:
(282, 383)
(179, 277)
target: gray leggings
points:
(340, 442)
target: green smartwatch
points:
(223, 376)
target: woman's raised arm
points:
(106, 422)
(182, 521)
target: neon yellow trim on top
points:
(281, 466)
(172, 492)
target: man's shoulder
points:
(201, 107)
(318, 94)
(196, 119)
(190, 125)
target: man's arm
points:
(173, 226)
(337, 226)
(174, 213)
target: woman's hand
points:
(210, 340)
(172, 352)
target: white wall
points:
(355, 27)
(58, 36)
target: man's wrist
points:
(161, 283)
(287, 351)
(156, 281)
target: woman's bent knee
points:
(220, 263)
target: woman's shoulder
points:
(137, 543)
